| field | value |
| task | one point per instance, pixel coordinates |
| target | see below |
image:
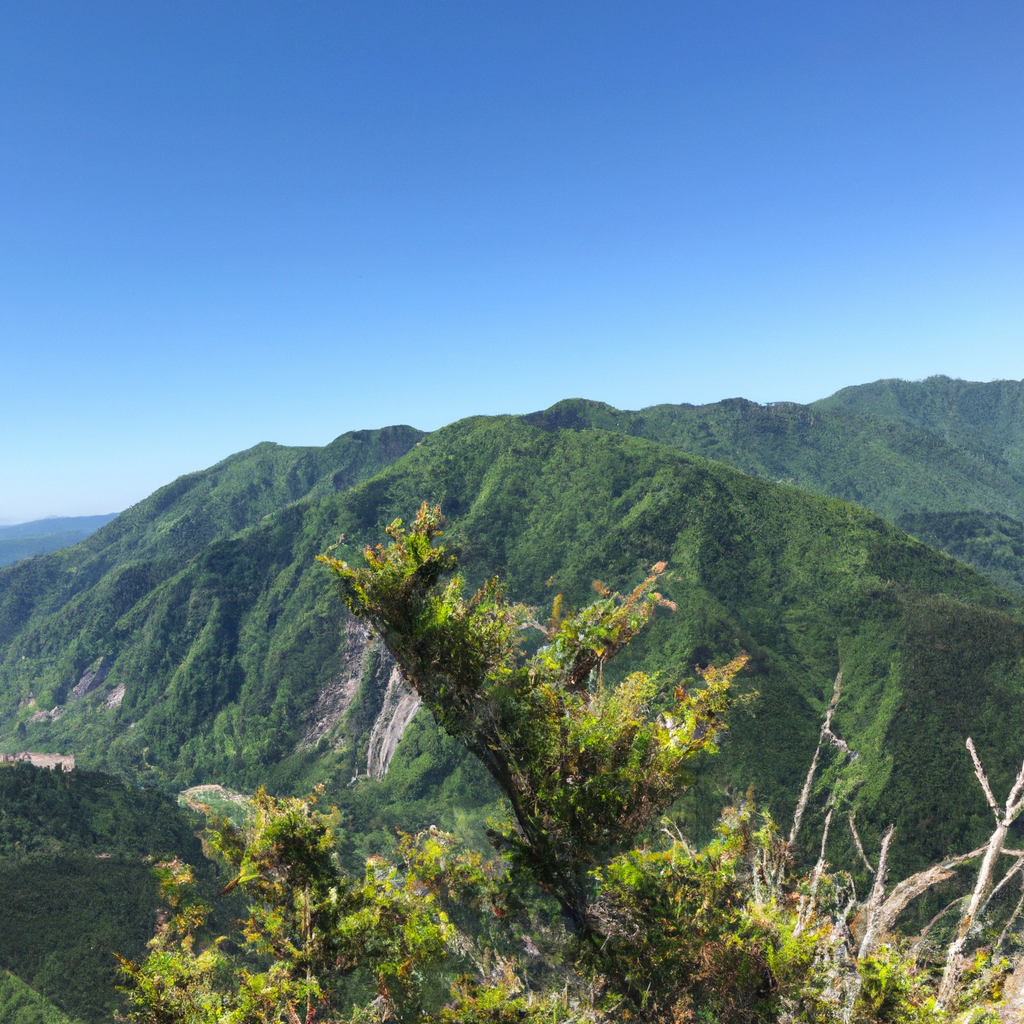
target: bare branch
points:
(678, 837)
(1014, 806)
(874, 917)
(919, 941)
(805, 912)
(912, 887)
(826, 729)
(826, 732)
(819, 868)
(954, 955)
(801, 804)
(1009, 923)
(983, 779)
(1009, 874)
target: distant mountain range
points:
(42, 535)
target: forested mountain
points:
(919, 454)
(985, 418)
(195, 639)
(42, 535)
(230, 659)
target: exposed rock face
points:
(366, 664)
(48, 716)
(400, 707)
(65, 761)
(337, 696)
(115, 696)
(92, 678)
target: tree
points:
(308, 926)
(582, 765)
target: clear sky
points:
(223, 223)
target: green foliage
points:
(678, 928)
(50, 812)
(308, 926)
(20, 1004)
(991, 542)
(583, 767)
(893, 992)
(63, 917)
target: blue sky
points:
(222, 223)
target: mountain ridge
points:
(222, 661)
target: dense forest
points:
(195, 639)
(76, 881)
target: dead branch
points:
(873, 915)
(819, 868)
(919, 941)
(805, 911)
(1006, 878)
(826, 732)
(1009, 923)
(801, 804)
(910, 888)
(826, 729)
(1004, 819)
(983, 778)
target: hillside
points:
(987, 418)
(20, 1004)
(902, 449)
(76, 885)
(238, 667)
(117, 567)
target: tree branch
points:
(875, 906)
(983, 779)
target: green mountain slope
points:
(855, 448)
(76, 885)
(91, 586)
(20, 1004)
(987, 418)
(239, 666)
(992, 543)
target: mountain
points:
(987, 418)
(904, 450)
(27, 539)
(196, 640)
(56, 524)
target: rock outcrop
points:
(400, 707)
